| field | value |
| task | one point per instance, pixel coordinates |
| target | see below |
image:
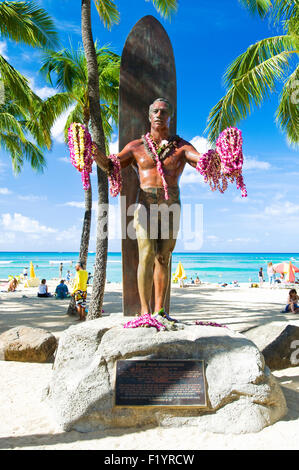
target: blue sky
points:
(43, 212)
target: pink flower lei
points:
(225, 162)
(145, 321)
(114, 175)
(154, 152)
(81, 151)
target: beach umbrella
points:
(32, 273)
(180, 272)
(287, 268)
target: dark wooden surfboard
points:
(147, 72)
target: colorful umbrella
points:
(32, 273)
(179, 273)
(287, 268)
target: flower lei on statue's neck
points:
(158, 153)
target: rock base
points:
(243, 396)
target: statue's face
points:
(159, 115)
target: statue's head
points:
(160, 112)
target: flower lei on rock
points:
(145, 321)
(81, 151)
(225, 162)
(160, 153)
(209, 323)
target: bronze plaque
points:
(160, 383)
(147, 72)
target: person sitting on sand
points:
(43, 289)
(12, 285)
(61, 291)
(293, 301)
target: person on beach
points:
(271, 274)
(261, 277)
(197, 280)
(61, 290)
(60, 270)
(25, 273)
(43, 289)
(68, 277)
(293, 302)
(160, 160)
(12, 285)
(80, 290)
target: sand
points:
(25, 419)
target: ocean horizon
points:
(212, 267)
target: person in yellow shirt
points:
(80, 290)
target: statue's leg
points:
(146, 252)
(168, 230)
(161, 271)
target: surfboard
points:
(147, 72)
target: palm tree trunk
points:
(99, 279)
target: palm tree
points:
(70, 69)
(18, 123)
(253, 75)
(109, 15)
(22, 113)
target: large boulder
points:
(243, 396)
(278, 342)
(26, 344)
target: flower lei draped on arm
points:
(82, 153)
(225, 162)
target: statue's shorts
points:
(157, 220)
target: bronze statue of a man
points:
(160, 160)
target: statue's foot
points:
(163, 314)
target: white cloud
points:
(5, 191)
(32, 198)
(254, 164)
(113, 146)
(200, 143)
(59, 124)
(282, 209)
(20, 223)
(64, 159)
(43, 92)
(3, 49)
(212, 238)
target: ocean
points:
(210, 267)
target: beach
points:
(26, 422)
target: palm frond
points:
(261, 7)
(287, 114)
(252, 88)
(41, 123)
(284, 10)
(20, 150)
(108, 12)
(26, 22)
(76, 115)
(257, 54)
(165, 7)
(16, 83)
